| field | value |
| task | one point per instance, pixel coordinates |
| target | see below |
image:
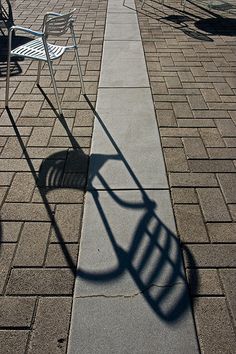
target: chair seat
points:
(35, 50)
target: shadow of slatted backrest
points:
(58, 25)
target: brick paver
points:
(40, 225)
(192, 74)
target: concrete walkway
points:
(130, 294)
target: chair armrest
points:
(27, 30)
(52, 14)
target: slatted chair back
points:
(57, 25)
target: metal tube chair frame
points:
(39, 49)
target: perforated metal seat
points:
(39, 49)
(35, 50)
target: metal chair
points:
(39, 49)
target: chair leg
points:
(142, 4)
(77, 57)
(79, 70)
(8, 69)
(39, 71)
(7, 80)
(54, 86)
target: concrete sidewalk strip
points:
(128, 325)
(125, 142)
(131, 294)
(122, 31)
(122, 26)
(130, 238)
(124, 18)
(123, 65)
(121, 6)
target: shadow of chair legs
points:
(43, 194)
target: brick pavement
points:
(192, 75)
(40, 224)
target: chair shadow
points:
(178, 21)
(162, 249)
(43, 189)
(15, 68)
(6, 15)
(204, 29)
(218, 26)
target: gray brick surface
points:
(204, 282)
(16, 311)
(13, 342)
(228, 186)
(228, 277)
(21, 189)
(179, 179)
(32, 245)
(197, 102)
(32, 281)
(194, 148)
(3, 191)
(215, 330)
(190, 223)
(51, 327)
(12, 148)
(40, 136)
(7, 252)
(10, 231)
(213, 255)
(211, 137)
(6, 178)
(55, 255)
(184, 195)
(166, 118)
(222, 232)
(226, 127)
(32, 109)
(64, 216)
(24, 212)
(213, 205)
(175, 159)
(203, 166)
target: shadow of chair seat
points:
(64, 169)
(15, 68)
(218, 26)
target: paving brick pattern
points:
(40, 223)
(192, 75)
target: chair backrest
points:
(58, 24)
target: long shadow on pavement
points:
(162, 245)
(203, 28)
